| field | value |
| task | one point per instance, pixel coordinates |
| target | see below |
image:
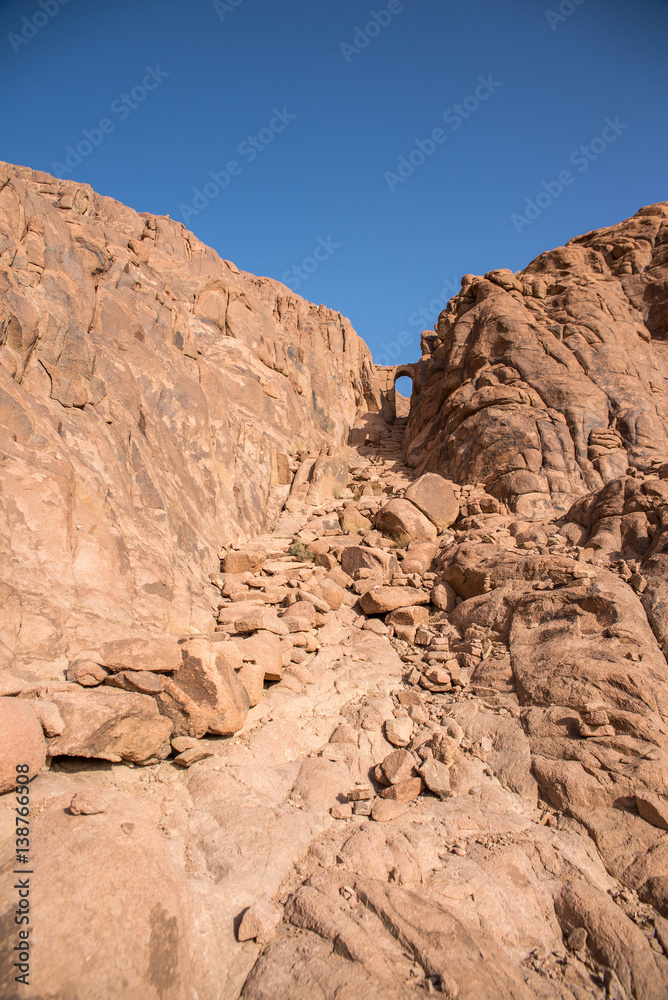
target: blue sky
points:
(317, 121)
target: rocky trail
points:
(319, 701)
(374, 827)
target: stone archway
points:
(387, 376)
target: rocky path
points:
(406, 808)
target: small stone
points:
(375, 625)
(439, 675)
(183, 743)
(415, 615)
(407, 698)
(362, 808)
(192, 756)
(443, 597)
(598, 718)
(87, 673)
(436, 776)
(418, 715)
(398, 732)
(259, 922)
(88, 803)
(403, 791)
(397, 766)
(422, 636)
(360, 793)
(589, 731)
(385, 810)
(344, 733)
(577, 939)
(342, 810)
(49, 717)
(381, 599)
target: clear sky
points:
(367, 154)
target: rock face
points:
(549, 383)
(154, 402)
(419, 743)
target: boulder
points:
(351, 520)
(162, 656)
(260, 619)
(380, 561)
(415, 615)
(188, 718)
(435, 497)
(112, 725)
(21, 741)
(419, 556)
(107, 849)
(243, 561)
(209, 681)
(378, 600)
(403, 522)
(264, 649)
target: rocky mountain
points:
(154, 404)
(548, 383)
(302, 698)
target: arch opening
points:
(403, 390)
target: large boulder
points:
(381, 561)
(403, 522)
(208, 679)
(263, 649)
(110, 724)
(378, 600)
(420, 555)
(435, 497)
(162, 656)
(21, 741)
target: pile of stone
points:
(427, 744)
